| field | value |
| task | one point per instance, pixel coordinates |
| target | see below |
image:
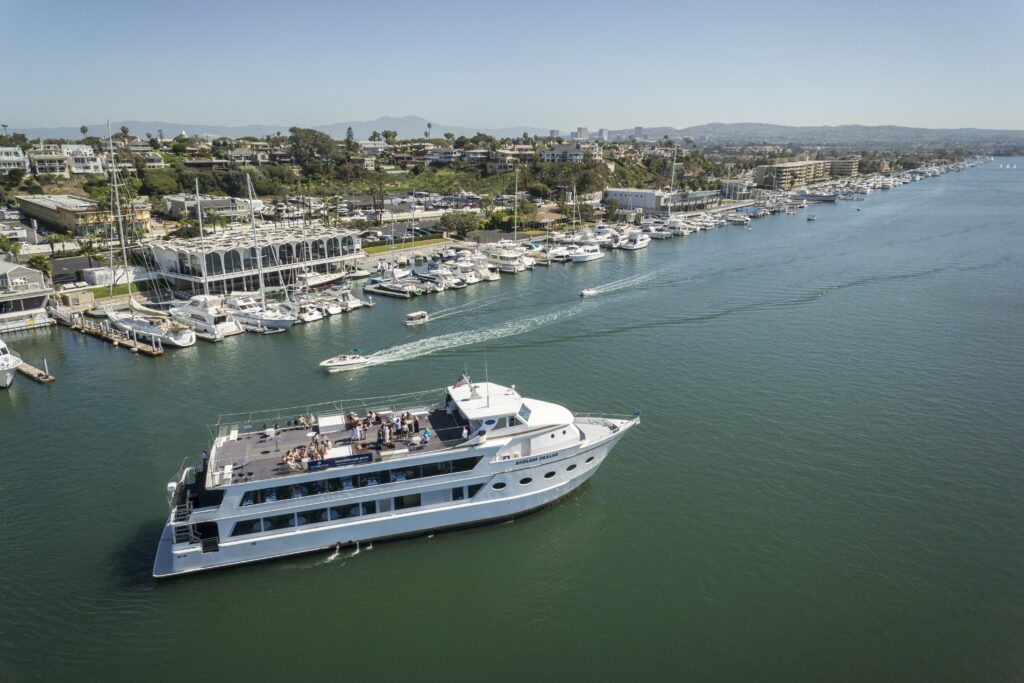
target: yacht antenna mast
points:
(256, 242)
(202, 240)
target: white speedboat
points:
(586, 252)
(276, 487)
(417, 318)
(208, 317)
(588, 292)
(151, 329)
(9, 362)
(343, 362)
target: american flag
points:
(461, 381)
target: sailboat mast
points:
(256, 242)
(672, 183)
(202, 240)
(515, 209)
(116, 200)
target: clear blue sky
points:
(490, 64)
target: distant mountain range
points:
(853, 136)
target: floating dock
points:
(104, 331)
(32, 372)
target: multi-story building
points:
(474, 156)
(230, 261)
(80, 216)
(82, 159)
(841, 168)
(443, 155)
(179, 206)
(602, 134)
(23, 297)
(50, 160)
(13, 159)
(575, 152)
(636, 198)
(790, 174)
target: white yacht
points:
(247, 311)
(417, 318)
(9, 362)
(275, 486)
(151, 329)
(586, 252)
(636, 240)
(507, 261)
(208, 317)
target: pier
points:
(79, 323)
(32, 372)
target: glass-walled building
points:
(231, 262)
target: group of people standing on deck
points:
(391, 429)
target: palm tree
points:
(89, 250)
(124, 133)
(430, 127)
(40, 263)
(84, 129)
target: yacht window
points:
(590, 459)
(252, 497)
(524, 413)
(499, 486)
(370, 507)
(473, 488)
(247, 526)
(458, 493)
(571, 467)
(411, 501)
(312, 516)
(464, 464)
(525, 481)
(345, 511)
(548, 475)
(278, 522)
(436, 469)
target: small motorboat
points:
(812, 217)
(588, 292)
(344, 362)
(417, 318)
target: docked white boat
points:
(9, 362)
(417, 318)
(151, 329)
(273, 486)
(586, 252)
(208, 317)
(636, 240)
(344, 362)
(254, 317)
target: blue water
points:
(826, 484)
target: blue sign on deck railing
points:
(327, 463)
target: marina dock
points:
(79, 323)
(34, 373)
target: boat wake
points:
(631, 281)
(460, 309)
(454, 340)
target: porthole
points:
(499, 486)
(590, 459)
(552, 435)
(571, 467)
(563, 431)
(549, 475)
(525, 481)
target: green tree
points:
(460, 222)
(124, 133)
(390, 136)
(90, 250)
(12, 247)
(611, 208)
(449, 136)
(539, 190)
(375, 136)
(84, 130)
(430, 128)
(350, 141)
(40, 263)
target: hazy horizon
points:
(525, 65)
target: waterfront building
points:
(286, 250)
(637, 198)
(790, 174)
(737, 188)
(843, 168)
(12, 159)
(23, 297)
(78, 215)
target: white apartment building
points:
(82, 159)
(12, 158)
(575, 152)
